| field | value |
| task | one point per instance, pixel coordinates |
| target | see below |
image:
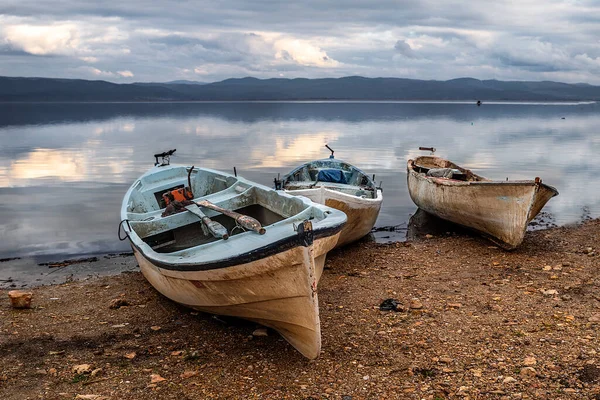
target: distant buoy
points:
(478, 102)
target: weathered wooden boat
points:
(499, 210)
(264, 271)
(342, 186)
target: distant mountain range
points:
(251, 89)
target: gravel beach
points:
(472, 321)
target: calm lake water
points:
(65, 167)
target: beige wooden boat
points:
(499, 210)
(270, 278)
(342, 186)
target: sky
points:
(208, 41)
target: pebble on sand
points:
(260, 332)
(20, 299)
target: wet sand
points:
(474, 322)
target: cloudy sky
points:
(128, 41)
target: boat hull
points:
(279, 291)
(362, 213)
(499, 210)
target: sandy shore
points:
(475, 322)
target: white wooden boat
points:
(499, 210)
(340, 185)
(269, 278)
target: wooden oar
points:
(243, 220)
(215, 228)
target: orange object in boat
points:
(180, 195)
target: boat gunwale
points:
(372, 185)
(259, 253)
(455, 182)
(377, 199)
(335, 221)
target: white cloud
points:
(60, 38)
(125, 74)
(431, 39)
(90, 60)
(302, 52)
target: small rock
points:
(130, 356)
(20, 299)
(188, 374)
(82, 369)
(595, 318)
(454, 305)
(528, 372)
(509, 379)
(416, 304)
(529, 361)
(428, 236)
(550, 292)
(118, 303)
(91, 397)
(155, 378)
(547, 268)
(94, 372)
(155, 328)
(588, 250)
(260, 332)
(476, 373)
(445, 360)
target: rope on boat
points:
(121, 227)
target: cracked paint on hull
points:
(499, 210)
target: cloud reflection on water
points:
(102, 149)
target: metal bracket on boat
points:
(431, 149)
(331, 150)
(277, 183)
(165, 158)
(305, 233)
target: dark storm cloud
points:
(430, 39)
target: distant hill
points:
(178, 82)
(248, 89)
(185, 82)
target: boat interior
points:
(184, 230)
(440, 168)
(332, 174)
